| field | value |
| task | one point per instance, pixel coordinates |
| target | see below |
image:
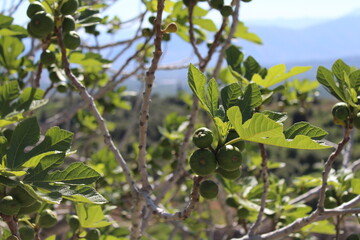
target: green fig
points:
(72, 40)
(208, 189)
(226, 11)
(47, 57)
(34, 8)
(74, 223)
(217, 4)
(232, 134)
(243, 213)
(356, 121)
(68, 23)
(29, 209)
(229, 157)
(41, 24)
(203, 137)
(203, 162)
(9, 206)
(232, 175)
(340, 111)
(47, 219)
(69, 7)
(93, 234)
(27, 233)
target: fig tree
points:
(29, 209)
(232, 134)
(171, 28)
(356, 121)
(243, 213)
(47, 57)
(47, 218)
(22, 196)
(217, 4)
(68, 23)
(42, 24)
(340, 111)
(69, 7)
(33, 8)
(226, 11)
(93, 234)
(74, 223)
(203, 162)
(72, 40)
(203, 137)
(231, 201)
(232, 175)
(9, 206)
(208, 189)
(229, 157)
(27, 233)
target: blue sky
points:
(255, 10)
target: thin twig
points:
(191, 30)
(114, 44)
(234, 24)
(88, 99)
(264, 174)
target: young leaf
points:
(197, 83)
(250, 100)
(27, 97)
(97, 219)
(276, 116)
(234, 58)
(251, 67)
(230, 95)
(242, 32)
(75, 173)
(8, 92)
(25, 134)
(213, 96)
(305, 128)
(261, 129)
(83, 194)
(339, 68)
(277, 74)
(326, 78)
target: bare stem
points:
(264, 174)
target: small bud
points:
(170, 28)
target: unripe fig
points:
(356, 121)
(54, 77)
(243, 213)
(90, 29)
(68, 23)
(72, 40)
(31, 32)
(229, 157)
(217, 4)
(231, 201)
(69, 7)
(146, 32)
(33, 8)
(203, 137)
(22, 196)
(47, 57)
(166, 37)
(203, 162)
(47, 218)
(208, 189)
(152, 19)
(29, 209)
(340, 111)
(232, 134)
(74, 223)
(61, 87)
(93, 234)
(171, 28)
(9, 206)
(42, 24)
(226, 11)
(232, 175)
(27, 233)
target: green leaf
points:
(322, 227)
(197, 83)
(261, 129)
(46, 163)
(56, 139)
(26, 133)
(326, 78)
(3, 145)
(206, 24)
(75, 173)
(5, 21)
(339, 68)
(234, 58)
(8, 92)
(27, 97)
(230, 95)
(7, 181)
(10, 49)
(276, 116)
(277, 74)
(355, 185)
(212, 96)
(83, 194)
(91, 216)
(223, 127)
(34, 161)
(305, 128)
(355, 78)
(242, 32)
(251, 67)
(250, 100)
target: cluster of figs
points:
(43, 25)
(225, 160)
(344, 114)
